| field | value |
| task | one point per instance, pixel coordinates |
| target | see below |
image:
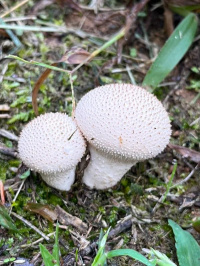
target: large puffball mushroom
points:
(123, 124)
(52, 145)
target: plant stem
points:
(119, 35)
(32, 62)
(169, 184)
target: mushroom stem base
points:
(104, 172)
(60, 180)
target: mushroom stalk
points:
(104, 171)
(60, 180)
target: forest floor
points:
(129, 207)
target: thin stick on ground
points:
(73, 98)
(14, 8)
(187, 177)
(18, 191)
(30, 225)
(119, 35)
(169, 186)
(33, 243)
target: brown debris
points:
(186, 152)
(75, 55)
(36, 88)
(5, 116)
(43, 210)
(68, 219)
(8, 151)
(131, 17)
(69, 4)
(4, 107)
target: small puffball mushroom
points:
(52, 145)
(123, 124)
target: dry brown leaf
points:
(75, 56)
(186, 152)
(43, 210)
(36, 88)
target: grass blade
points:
(131, 253)
(5, 219)
(172, 52)
(48, 259)
(100, 258)
(188, 250)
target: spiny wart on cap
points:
(51, 144)
(123, 122)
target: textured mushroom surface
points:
(51, 143)
(123, 124)
(124, 120)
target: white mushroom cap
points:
(51, 144)
(123, 121)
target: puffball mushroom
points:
(123, 124)
(52, 145)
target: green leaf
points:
(5, 219)
(48, 259)
(173, 51)
(162, 259)
(100, 258)
(184, 10)
(9, 260)
(23, 116)
(196, 224)
(188, 250)
(25, 174)
(131, 253)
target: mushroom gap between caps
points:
(52, 145)
(123, 124)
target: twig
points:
(131, 17)
(32, 62)
(33, 243)
(195, 121)
(3, 116)
(4, 107)
(67, 219)
(35, 28)
(5, 68)
(14, 8)
(8, 151)
(130, 75)
(121, 227)
(20, 19)
(19, 189)
(30, 225)
(73, 98)
(7, 134)
(104, 9)
(187, 177)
